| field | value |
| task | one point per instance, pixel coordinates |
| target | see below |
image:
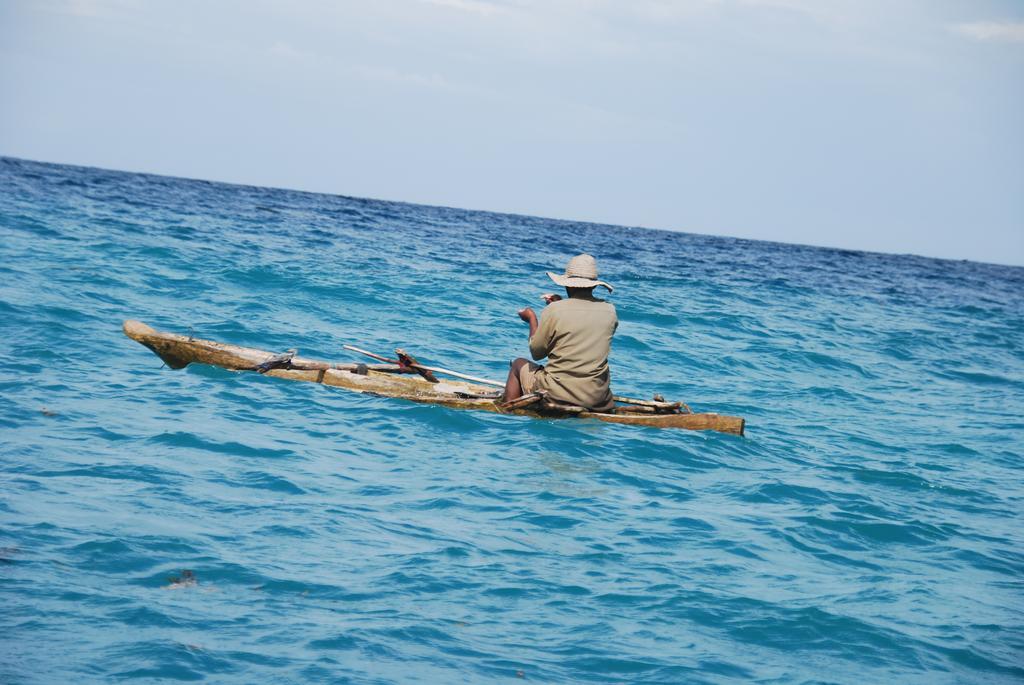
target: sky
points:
(886, 125)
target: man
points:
(575, 334)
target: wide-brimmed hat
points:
(580, 272)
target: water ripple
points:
(210, 525)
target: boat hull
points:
(178, 351)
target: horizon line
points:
(516, 214)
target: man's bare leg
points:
(513, 390)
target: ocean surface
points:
(160, 525)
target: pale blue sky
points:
(891, 125)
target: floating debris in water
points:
(186, 579)
(45, 411)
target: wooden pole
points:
(369, 354)
(446, 372)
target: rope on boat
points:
(278, 361)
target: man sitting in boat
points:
(575, 334)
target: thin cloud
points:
(85, 8)
(287, 51)
(993, 31)
(471, 6)
(388, 75)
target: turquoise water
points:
(867, 529)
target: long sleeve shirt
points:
(575, 335)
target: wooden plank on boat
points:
(633, 409)
(656, 405)
(523, 401)
(561, 407)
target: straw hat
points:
(580, 272)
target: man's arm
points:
(529, 316)
(542, 333)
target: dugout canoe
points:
(178, 351)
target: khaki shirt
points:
(576, 336)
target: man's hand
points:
(530, 317)
(550, 297)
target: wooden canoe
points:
(178, 351)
